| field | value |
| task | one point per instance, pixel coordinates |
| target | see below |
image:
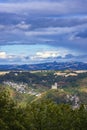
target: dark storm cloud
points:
(59, 23)
(82, 34)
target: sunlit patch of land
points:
(4, 72)
(83, 89)
(81, 71)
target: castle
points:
(54, 86)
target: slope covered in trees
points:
(39, 82)
(43, 115)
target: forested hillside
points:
(44, 115)
(29, 86)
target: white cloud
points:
(20, 26)
(56, 7)
(23, 25)
(3, 55)
(2, 27)
(48, 54)
(56, 30)
(50, 31)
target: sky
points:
(38, 31)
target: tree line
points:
(42, 115)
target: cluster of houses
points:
(74, 99)
(21, 88)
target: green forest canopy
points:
(43, 115)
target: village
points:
(21, 88)
(73, 99)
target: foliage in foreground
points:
(44, 115)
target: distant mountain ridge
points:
(46, 66)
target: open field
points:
(4, 72)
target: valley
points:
(68, 86)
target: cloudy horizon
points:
(39, 31)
